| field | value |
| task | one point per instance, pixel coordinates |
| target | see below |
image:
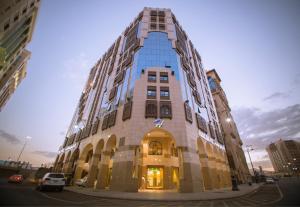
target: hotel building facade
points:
(146, 117)
(17, 22)
(232, 140)
(285, 156)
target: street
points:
(267, 195)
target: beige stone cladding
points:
(147, 141)
(233, 142)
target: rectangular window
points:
(151, 92)
(6, 26)
(16, 17)
(153, 19)
(24, 10)
(163, 77)
(164, 93)
(152, 77)
(153, 26)
(162, 27)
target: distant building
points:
(146, 118)
(17, 21)
(285, 155)
(233, 142)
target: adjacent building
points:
(232, 139)
(146, 117)
(285, 156)
(17, 21)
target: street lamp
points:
(249, 148)
(27, 138)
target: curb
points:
(165, 199)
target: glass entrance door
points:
(155, 177)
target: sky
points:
(254, 46)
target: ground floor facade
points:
(156, 163)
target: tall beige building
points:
(233, 142)
(146, 119)
(17, 21)
(285, 156)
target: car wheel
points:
(61, 189)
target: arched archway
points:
(106, 163)
(207, 181)
(56, 163)
(85, 157)
(95, 164)
(67, 163)
(159, 163)
(110, 148)
(60, 163)
(73, 160)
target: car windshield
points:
(56, 175)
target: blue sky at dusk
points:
(253, 45)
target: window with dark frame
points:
(152, 77)
(152, 26)
(6, 26)
(151, 92)
(165, 108)
(16, 17)
(162, 27)
(164, 78)
(164, 93)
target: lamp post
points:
(27, 138)
(249, 148)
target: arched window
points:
(155, 148)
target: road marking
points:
(57, 199)
(280, 197)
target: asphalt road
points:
(267, 195)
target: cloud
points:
(296, 80)
(77, 68)
(45, 153)
(260, 128)
(10, 138)
(276, 95)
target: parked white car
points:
(270, 181)
(52, 181)
(81, 182)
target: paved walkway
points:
(167, 195)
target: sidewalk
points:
(167, 195)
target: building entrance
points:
(155, 177)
